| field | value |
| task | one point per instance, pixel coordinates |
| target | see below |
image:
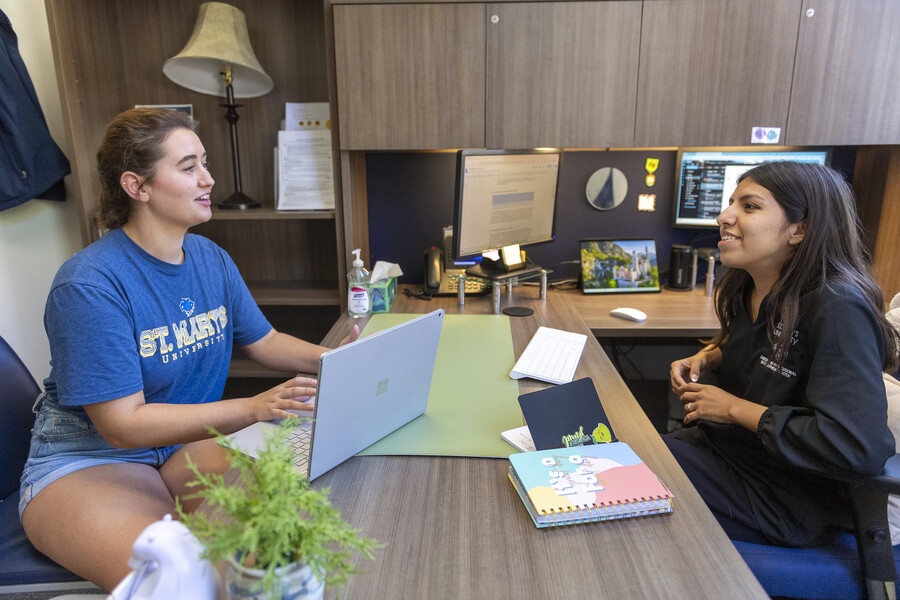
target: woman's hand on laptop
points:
(293, 394)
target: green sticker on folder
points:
(472, 398)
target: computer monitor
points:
(705, 178)
(504, 199)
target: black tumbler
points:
(680, 268)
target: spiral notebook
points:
(587, 484)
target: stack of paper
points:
(304, 177)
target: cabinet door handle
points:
(495, 19)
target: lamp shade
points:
(219, 39)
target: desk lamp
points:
(218, 60)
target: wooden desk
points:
(669, 314)
(454, 527)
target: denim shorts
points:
(64, 441)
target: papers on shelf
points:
(306, 115)
(304, 173)
(305, 176)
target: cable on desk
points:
(421, 294)
(569, 283)
(559, 284)
(564, 284)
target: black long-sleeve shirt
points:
(826, 411)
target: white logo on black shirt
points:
(770, 364)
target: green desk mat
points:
(472, 398)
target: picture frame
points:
(618, 266)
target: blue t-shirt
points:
(120, 321)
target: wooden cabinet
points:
(562, 74)
(846, 76)
(711, 70)
(425, 76)
(410, 76)
(616, 73)
(109, 57)
(822, 70)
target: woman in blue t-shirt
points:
(141, 325)
(792, 385)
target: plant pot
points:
(296, 581)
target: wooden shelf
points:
(295, 293)
(268, 214)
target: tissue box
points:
(383, 294)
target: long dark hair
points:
(832, 252)
(133, 142)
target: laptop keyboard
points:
(300, 440)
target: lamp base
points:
(238, 201)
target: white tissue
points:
(384, 270)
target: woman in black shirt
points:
(792, 384)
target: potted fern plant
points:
(279, 537)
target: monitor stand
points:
(509, 263)
(499, 274)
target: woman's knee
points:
(207, 455)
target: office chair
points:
(861, 564)
(22, 568)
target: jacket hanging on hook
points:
(31, 164)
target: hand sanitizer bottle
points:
(359, 304)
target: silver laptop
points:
(366, 390)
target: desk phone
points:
(438, 280)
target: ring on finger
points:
(689, 406)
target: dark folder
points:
(567, 415)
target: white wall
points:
(38, 236)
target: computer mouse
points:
(629, 314)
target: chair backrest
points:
(18, 391)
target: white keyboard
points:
(552, 355)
